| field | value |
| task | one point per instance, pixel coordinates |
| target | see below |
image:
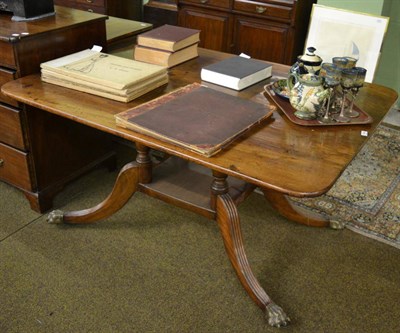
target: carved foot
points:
(275, 315)
(56, 216)
(335, 224)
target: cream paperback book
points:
(103, 69)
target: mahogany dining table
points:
(279, 157)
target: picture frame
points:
(339, 32)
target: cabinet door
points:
(215, 27)
(262, 39)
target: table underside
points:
(200, 190)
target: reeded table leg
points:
(280, 202)
(229, 224)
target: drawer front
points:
(92, 8)
(7, 75)
(11, 130)
(7, 58)
(14, 167)
(65, 3)
(209, 3)
(97, 3)
(264, 9)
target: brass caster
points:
(335, 224)
(55, 217)
(275, 316)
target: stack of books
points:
(104, 75)
(167, 45)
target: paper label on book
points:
(96, 48)
(244, 55)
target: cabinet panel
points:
(11, 131)
(14, 167)
(215, 27)
(260, 40)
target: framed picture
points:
(339, 32)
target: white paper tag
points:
(244, 55)
(96, 48)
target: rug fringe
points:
(372, 236)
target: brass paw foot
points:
(56, 216)
(275, 315)
(335, 224)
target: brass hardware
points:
(90, 1)
(1, 162)
(260, 9)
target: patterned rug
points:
(366, 197)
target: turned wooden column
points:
(143, 160)
(219, 186)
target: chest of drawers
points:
(273, 30)
(36, 149)
(129, 9)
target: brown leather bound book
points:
(195, 117)
(169, 38)
(165, 58)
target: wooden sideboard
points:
(37, 152)
(129, 9)
(160, 12)
(272, 30)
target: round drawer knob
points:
(1, 162)
(260, 9)
(203, 1)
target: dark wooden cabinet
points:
(40, 152)
(215, 27)
(262, 41)
(160, 12)
(128, 9)
(273, 30)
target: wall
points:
(366, 6)
(388, 70)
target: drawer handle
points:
(203, 1)
(260, 9)
(90, 10)
(1, 162)
(90, 1)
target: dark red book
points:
(195, 117)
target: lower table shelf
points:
(188, 186)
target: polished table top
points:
(279, 155)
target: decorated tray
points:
(280, 88)
(278, 93)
